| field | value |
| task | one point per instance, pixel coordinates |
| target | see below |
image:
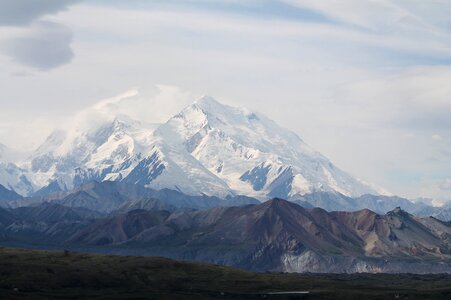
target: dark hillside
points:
(27, 274)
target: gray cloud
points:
(45, 46)
(23, 12)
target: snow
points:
(207, 148)
(14, 178)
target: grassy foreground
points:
(31, 274)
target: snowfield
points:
(208, 148)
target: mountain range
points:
(197, 187)
(111, 196)
(206, 149)
(277, 235)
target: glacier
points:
(208, 148)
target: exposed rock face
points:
(282, 236)
(276, 235)
(53, 213)
(120, 228)
(311, 262)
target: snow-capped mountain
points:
(106, 152)
(11, 176)
(15, 179)
(208, 148)
(250, 153)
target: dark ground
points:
(32, 274)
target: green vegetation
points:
(31, 274)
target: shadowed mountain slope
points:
(280, 235)
(7, 195)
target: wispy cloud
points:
(406, 39)
(151, 105)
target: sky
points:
(366, 83)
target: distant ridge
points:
(109, 196)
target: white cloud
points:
(436, 137)
(445, 184)
(439, 189)
(152, 105)
(378, 16)
(417, 98)
(134, 24)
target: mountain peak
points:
(279, 203)
(207, 148)
(123, 122)
(398, 212)
(212, 107)
(207, 100)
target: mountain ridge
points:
(111, 196)
(207, 148)
(276, 235)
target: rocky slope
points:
(276, 235)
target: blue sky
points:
(367, 83)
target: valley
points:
(27, 274)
